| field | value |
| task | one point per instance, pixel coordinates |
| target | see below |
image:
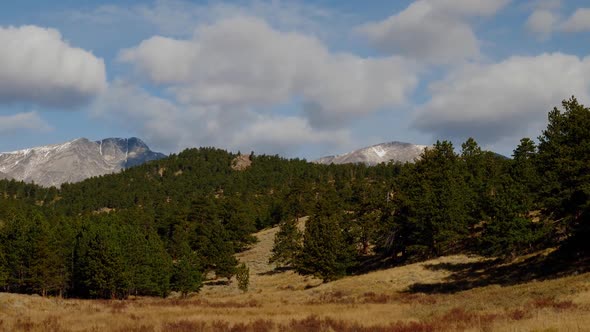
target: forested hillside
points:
(167, 224)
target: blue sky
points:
(295, 78)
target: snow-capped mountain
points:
(74, 161)
(376, 154)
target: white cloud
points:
(38, 66)
(546, 19)
(579, 21)
(542, 22)
(506, 99)
(170, 126)
(242, 62)
(436, 31)
(154, 118)
(30, 121)
(179, 17)
(469, 7)
(272, 134)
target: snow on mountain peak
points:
(376, 154)
(76, 160)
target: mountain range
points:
(376, 154)
(74, 161)
(79, 159)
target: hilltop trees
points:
(165, 225)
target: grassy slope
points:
(449, 293)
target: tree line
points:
(449, 202)
(170, 224)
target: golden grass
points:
(285, 301)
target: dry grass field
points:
(455, 293)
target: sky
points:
(293, 78)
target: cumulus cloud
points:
(242, 62)
(170, 126)
(272, 134)
(38, 66)
(495, 101)
(30, 121)
(579, 21)
(436, 31)
(179, 17)
(542, 22)
(546, 19)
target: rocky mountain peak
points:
(76, 160)
(376, 154)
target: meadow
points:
(453, 293)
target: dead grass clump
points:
(372, 297)
(263, 325)
(419, 298)
(461, 319)
(335, 297)
(311, 324)
(256, 326)
(411, 327)
(117, 307)
(220, 325)
(185, 326)
(316, 324)
(51, 324)
(141, 328)
(519, 314)
(24, 325)
(202, 303)
(114, 306)
(552, 303)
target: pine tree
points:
(287, 243)
(437, 218)
(187, 276)
(564, 165)
(328, 248)
(243, 277)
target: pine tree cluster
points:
(170, 224)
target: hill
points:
(384, 300)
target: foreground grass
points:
(446, 294)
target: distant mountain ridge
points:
(74, 161)
(376, 154)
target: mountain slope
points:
(376, 154)
(74, 161)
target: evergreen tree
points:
(243, 277)
(287, 243)
(325, 253)
(564, 165)
(47, 264)
(440, 213)
(187, 276)
(328, 252)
